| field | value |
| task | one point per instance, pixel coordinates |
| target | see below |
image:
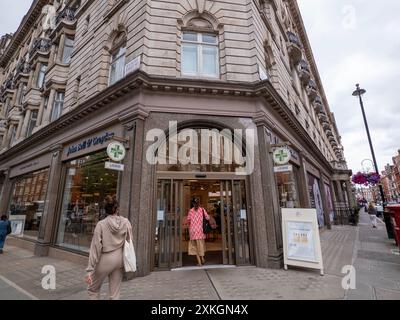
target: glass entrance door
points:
(168, 235)
(225, 200)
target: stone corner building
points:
(100, 70)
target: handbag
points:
(129, 255)
(206, 224)
(9, 230)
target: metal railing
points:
(41, 45)
(304, 66)
(23, 67)
(293, 38)
(67, 14)
(344, 215)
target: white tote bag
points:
(129, 256)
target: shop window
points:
(68, 49)
(200, 54)
(117, 68)
(41, 76)
(57, 105)
(86, 186)
(27, 200)
(288, 188)
(32, 123)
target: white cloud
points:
(367, 54)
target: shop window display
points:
(27, 200)
(287, 189)
(87, 184)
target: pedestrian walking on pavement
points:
(372, 214)
(106, 253)
(5, 229)
(197, 246)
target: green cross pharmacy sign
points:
(282, 156)
(116, 151)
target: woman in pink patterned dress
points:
(197, 245)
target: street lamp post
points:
(359, 93)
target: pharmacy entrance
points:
(224, 197)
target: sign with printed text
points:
(114, 166)
(301, 241)
(133, 65)
(17, 225)
(281, 156)
(116, 151)
(288, 168)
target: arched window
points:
(118, 55)
(200, 49)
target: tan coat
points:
(109, 235)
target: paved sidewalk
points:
(378, 275)
(376, 263)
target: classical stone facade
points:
(120, 68)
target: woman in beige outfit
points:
(106, 254)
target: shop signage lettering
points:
(29, 165)
(88, 143)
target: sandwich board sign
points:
(301, 242)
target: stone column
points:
(8, 140)
(40, 113)
(6, 193)
(25, 123)
(324, 201)
(50, 209)
(340, 191)
(303, 182)
(350, 195)
(135, 198)
(19, 127)
(270, 197)
(47, 112)
(61, 48)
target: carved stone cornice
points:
(141, 81)
(26, 25)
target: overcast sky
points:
(353, 42)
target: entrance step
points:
(204, 267)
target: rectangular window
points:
(32, 123)
(57, 106)
(13, 135)
(117, 68)
(22, 93)
(27, 200)
(200, 55)
(86, 185)
(68, 48)
(41, 76)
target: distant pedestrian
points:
(197, 246)
(106, 253)
(5, 229)
(372, 214)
